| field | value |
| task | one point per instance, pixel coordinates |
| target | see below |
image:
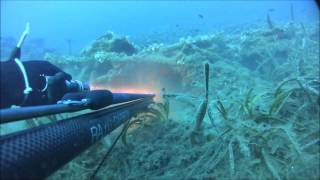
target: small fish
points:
(200, 16)
(177, 25)
(195, 30)
(271, 10)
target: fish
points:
(271, 10)
(195, 30)
(200, 16)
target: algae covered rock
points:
(109, 43)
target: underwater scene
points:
(217, 89)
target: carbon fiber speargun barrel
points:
(36, 153)
(96, 99)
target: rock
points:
(109, 43)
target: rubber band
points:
(24, 35)
(27, 89)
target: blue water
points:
(144, 22)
